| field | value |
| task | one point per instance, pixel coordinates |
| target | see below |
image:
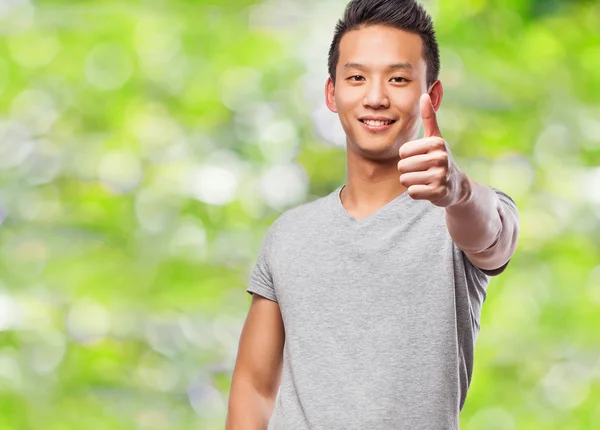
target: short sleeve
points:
(261, 277)
(508, 204)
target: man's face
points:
(380, 74)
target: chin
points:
(377, 150)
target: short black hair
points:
(407, 15)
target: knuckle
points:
(434, 143)
(442, 158)
(443, 176)
(439, 177)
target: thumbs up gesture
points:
(426, 166)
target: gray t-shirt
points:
(380, 316)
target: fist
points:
(426, 166)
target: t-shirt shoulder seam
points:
(255, 289)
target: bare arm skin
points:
(483, 226)
(257, 373)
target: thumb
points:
(430, 125)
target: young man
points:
(366, 302)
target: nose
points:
(376, 97)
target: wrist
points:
(465, 191)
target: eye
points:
(400, 79)
(358, 77)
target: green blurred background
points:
(146, 146)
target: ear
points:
(330, 95)
(436, 93)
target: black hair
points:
(407, 15)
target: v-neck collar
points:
(342, 213)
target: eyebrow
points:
(396, 66)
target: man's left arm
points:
(484, 226)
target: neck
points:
(370, 183)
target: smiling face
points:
(380, 77)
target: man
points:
(366, 302)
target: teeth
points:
(376, 123)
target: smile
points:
(373, 125)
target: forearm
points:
(247, 409)
(482, 226)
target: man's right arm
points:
(257, 373)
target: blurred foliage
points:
(146, 146)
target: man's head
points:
(383, 56)
(407, 15)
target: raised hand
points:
(426, 166)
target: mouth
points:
(376, 125)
